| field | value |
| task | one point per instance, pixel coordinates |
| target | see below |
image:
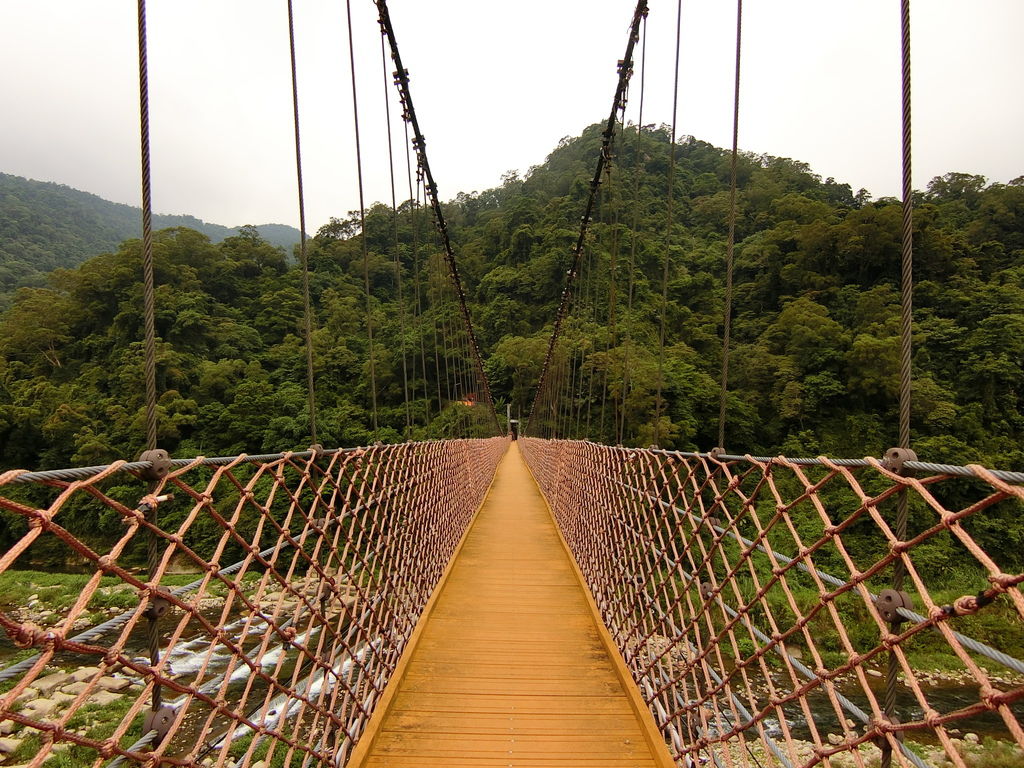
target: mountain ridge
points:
(46, 225)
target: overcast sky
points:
(496, 85)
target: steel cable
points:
(148, 289)
(906, 344)
(362, 222)
(414, 203)
(394, 220)
(731, 242)
(419, 143)
(307, 305)
(638, 169)
(669, 221)
(625, 68)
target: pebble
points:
(114, 684)
(84, 673)
(7, 746)
(39, 709)
(27, 695)
(47, 685)
(103, 698)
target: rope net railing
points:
(234, 613)
(751, 599)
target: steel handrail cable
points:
(119, 621)
(936, 617)
(419, 144)
(618, 102)
(846, 703)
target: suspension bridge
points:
(484, 601)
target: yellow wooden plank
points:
(509, 666)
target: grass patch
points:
(58, 591)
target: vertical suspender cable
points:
(148, 289)
(907, 262)
(592, 313)
(669, 221)
(906, 327)
(631, 283)
(149, 323)
(394, 221)
(419, 143)
(625, 71)
(727, 319)
(362, 220)
(414, 202)
(303, 254)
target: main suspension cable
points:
(625, 68)
(419, 144)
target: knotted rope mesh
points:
(749, 599)
(286, 591)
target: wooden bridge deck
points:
(509, 665)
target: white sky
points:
(496, 85)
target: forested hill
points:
(815, 331)
(44, 226)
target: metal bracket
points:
(714, 453)
(895, 458)
(159, 720)
(161, 461)
(880, 741)
(158, 605)
(889, 602)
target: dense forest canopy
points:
(815, 329)
(44, 226)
